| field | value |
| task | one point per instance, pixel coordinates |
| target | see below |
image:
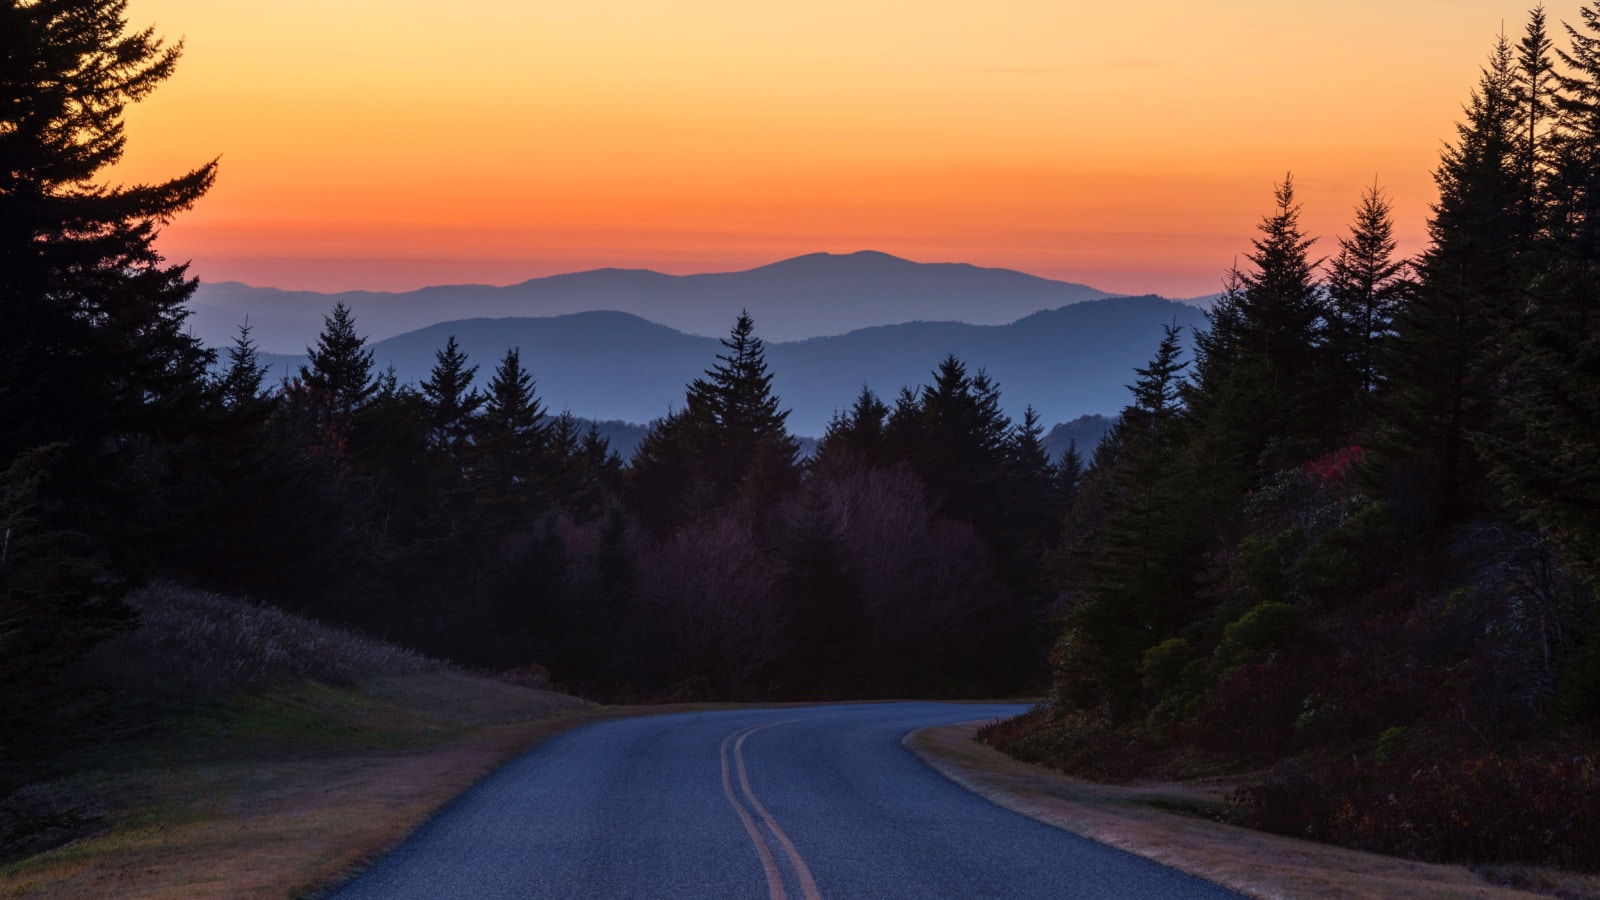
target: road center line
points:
(775, 889)
(808, 885)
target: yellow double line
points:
(733, 760)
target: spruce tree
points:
(961, 441)
(1443, 358)
(857, 434)
(512, 436)
(1367, 284)
(1544, 447)
(1537, 83)
(240, 385)
(1280, 312)
(746, 440)
(102, 390)
(94, 346)
(339, 373)
(1069, 473)
(451, 399)
(1139, 570)
(728, 442)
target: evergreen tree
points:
(1575, 180)
(94, 345)
(960, 445)
(1069, 473)
(1443, 358)
(1366, 286)
(240, 385)
(1031, 479)
(1139, 571)
(1536, 82)
(745, 442)
(858, 433)
(335, 383)
(512, 437)
(56, 603)
(1279, 313)
(339, 375)
(600, 475)
(1544, 448)
(102, 390)
(451, 400)
(728, 442)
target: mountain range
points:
(808, 296)
(1065, 362)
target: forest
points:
(1351, 544)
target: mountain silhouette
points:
(808, 296)
(1066, 362)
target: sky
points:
(392, 144)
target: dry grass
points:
(198, 643)
(303, 786)
(1135, 818)
(255, 753)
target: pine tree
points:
(961, 440)
(1280, 311)
(1069, 473)
(334, 385)
(101, 388)
(1366, 286)
(1574, 192)
(746, 441)
(858, 434)
(339, 374)
(56, 603)
(728, 442)
(1139, 570)
(94, 345)
(451, 400)
(1544, 447)
(1444, 358)
(1536, 82)
(512, 438)
(240, 385)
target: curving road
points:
(804, 803)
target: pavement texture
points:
(800, 803)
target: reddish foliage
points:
(1335, 466)
(1487, 806)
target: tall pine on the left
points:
(99, 383)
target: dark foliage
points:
(1362, 548)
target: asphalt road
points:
(803, 803)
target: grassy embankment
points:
(256, 754)
(1183, 825)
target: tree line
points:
(1355, 533)
(471, 524)
(1351, 535)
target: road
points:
(784, 804)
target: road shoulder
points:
(1131, 818)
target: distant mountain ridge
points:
(808, 296)
(1066, 362)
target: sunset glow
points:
(389, 145)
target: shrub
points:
(193, 642)
(1263, 629)
(1526, 806)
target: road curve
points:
(783, 804)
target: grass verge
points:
(1175, 824)
(283, 793)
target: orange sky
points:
(389, 145)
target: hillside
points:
(808, 296)
(244, 751)
(1066, 362)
